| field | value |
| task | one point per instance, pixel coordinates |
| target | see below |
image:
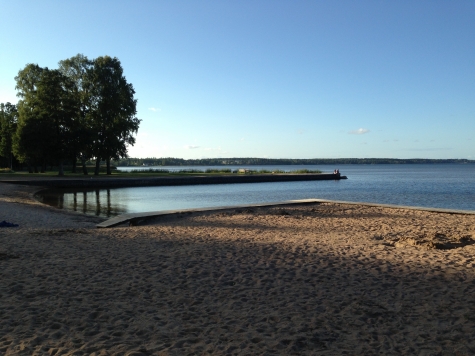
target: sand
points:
(319, 279)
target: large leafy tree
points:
(29, 144)
(112, 110)
(8, 125)
(84, 109)
(47, 109)
(75, 68)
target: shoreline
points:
(118, 182)
(322, 278)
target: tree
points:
(112, 110)
(8, 125)
(46, 111)
(28, 139)
(75, 68)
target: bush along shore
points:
(152, 172)
(221, 171)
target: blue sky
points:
(277, 79)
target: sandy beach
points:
(318, 279)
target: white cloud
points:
(191, 147)
(155, 109)
(359, 132)
(429, 149)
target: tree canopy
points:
(8, 126)
(112, 110)
(84, 109)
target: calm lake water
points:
(450, 186)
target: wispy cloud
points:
(190, 147)
(155, 109)
(429, 149)
(300, 132)
(358, 132)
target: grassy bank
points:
(219, 171)
(150, 173)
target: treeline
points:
(169, 161)
(83, 110)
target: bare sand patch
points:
(321, 279)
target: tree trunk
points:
(61, 169)
(98, 165)
(108, 162)
(84, 168)
(73, 170)
(30, 169)
(43, 166)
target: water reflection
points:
(97, 202)
(430, 185)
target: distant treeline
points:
(169, 161)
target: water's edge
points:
(174, 181)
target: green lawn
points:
(141, 173)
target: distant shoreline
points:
(169, 161)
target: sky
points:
(270, 78)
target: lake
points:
(450, 186)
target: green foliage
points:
(112, 109)
(76, 69)
(218, 171)
(181, 171)
(85, 109)
(8, 126)
(300, 171)
(46, 112)
(277, 171)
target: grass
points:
(218, 171)
(151, 172)
(181, 171)
(299, 171)
(6, 170)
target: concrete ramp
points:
(135, 218)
